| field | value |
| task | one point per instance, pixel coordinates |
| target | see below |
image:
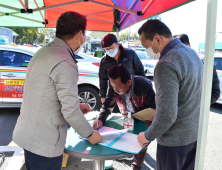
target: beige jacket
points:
(50, 100)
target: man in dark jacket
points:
(116, 54)
(215, 92)
(132, 94)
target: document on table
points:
(120, 140)
(109, 134)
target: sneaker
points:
(127, 158)
(108, 164)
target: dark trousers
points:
(36, 162)
(138, 160)
(176, 158)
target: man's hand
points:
(85, 109)
(142, 140)
(102, 100)
(152, 117)
(95, 138)
(100, 123)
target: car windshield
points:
(143, 55)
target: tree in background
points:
(31, 35)
(123, 36)
(135, 36)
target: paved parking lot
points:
(213, 155)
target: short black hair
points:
(154, 27)
(119, 71)
(184, 39)
(69, 24)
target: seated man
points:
(132, 94)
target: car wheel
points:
(90, 97)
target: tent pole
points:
(24, 6)
(10, 7)
(114, 7)
(27, 4)
(39, 11)
(117, 33)
(207, 83)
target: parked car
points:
(218, 65)
(148, 63)
(13, 67)
(82, 57)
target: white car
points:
(13, 67)
(148, 64)
(218, 65)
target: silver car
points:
(13, 67)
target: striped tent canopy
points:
(102, 15)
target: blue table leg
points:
(99, 165)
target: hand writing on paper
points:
(85, 109)
(95, 138)
(152, 117)
(100, 123)
(142, 140)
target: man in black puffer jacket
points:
(215, 92)
(116, 54)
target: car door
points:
(218, 65)
(13, 74)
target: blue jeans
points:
(37, 162)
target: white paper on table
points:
(113, 132)
(109, 134)
(128, 143)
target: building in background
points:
(7, 36)
(94, 41)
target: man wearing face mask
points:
(51, 98)
(116, 54)
(178, 82)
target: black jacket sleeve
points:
(215, 93)
(138, 66)
(108, 105)
(103, 80)
(150, 97)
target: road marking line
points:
(17, 160)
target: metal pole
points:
(117, 33)
(99, 165)
(207, 83)
(128, 37)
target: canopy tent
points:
(102, 15)
(114, 15)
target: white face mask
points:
(151, 54)
(111, 52)
(78, 49)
